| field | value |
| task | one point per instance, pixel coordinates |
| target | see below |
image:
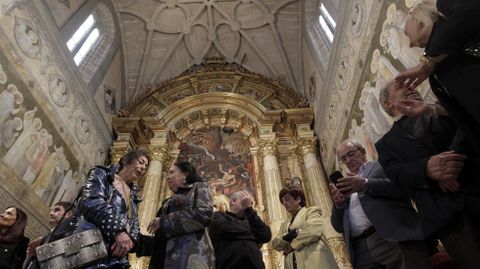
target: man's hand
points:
(412, 108)
(32, 246)
(153, 225)
(351, 183)
(247, 200)
(445, 166)
(451, 185)
(123, 244)
(338, 197)
(288, 250)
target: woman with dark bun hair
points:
(13, 243)
(181, 224)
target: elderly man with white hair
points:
(426, 158)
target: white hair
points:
(425, 11)
(236, 195)
(355, 143)
(383, 97)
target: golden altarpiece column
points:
(241, 130)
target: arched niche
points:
(225, 98)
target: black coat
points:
(455, 81)
(12, 255)
(236, 240)
(153, 246)
(403, 153)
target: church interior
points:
(258, 94)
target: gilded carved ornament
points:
(268, 146)
(158, 153)
(307, 145)
(120, 147)
(214, 77)
(337, 245)
(117, 153)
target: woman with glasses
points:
(300, 238)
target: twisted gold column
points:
(320, 194)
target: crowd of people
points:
(423, 188)
(392, 212)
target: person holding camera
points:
(238, 234)
(379, 232)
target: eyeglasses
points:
(287, 198)
(349, 154)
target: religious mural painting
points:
(222, 157)
(31, 152)
(109, 99)
(290, 171)
(62, 10)
(27, 38)
(390, 54)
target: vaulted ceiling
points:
(163, 38)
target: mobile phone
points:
(335, 176)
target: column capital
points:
(121, 146)
(307, 145)
(268, 146)
(117, 150)
(158, 152)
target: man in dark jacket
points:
(421, 156)
(238, 233)
(57, 212)
(379, 224)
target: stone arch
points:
(214, 76)
(218, 95)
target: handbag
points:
(74, 251)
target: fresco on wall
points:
(109, 98)
(27, 38)
(62, 10)
(312, 88)
(222, 157)
(30, 148)
(290, 171)
(389, 55)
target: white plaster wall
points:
(112, 79)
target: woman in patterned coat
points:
(181, 240)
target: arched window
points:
(320, 29)
(91, 42)
(327, 23)
(83, 39)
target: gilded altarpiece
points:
(221, 118)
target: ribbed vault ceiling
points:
(162, 38)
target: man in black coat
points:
(237, 234)
(420, 154)
(57, 213)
